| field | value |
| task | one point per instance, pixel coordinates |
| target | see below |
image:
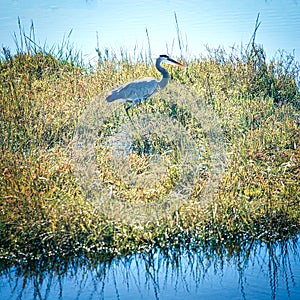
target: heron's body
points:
(136, 91)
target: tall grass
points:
(253, 109)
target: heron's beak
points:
(172, 61)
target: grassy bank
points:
(45, 212)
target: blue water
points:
(123, 24)
(258, 272)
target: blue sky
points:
(123, 23)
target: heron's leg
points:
(134, 102)
(126, 110)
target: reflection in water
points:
(258, 271)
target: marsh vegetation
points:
(47, 211)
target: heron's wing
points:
(137, 90)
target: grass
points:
(236, 101)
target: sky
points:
(123, 24)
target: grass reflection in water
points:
(256, 271)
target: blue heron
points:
(142, 89)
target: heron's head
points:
(166, 59)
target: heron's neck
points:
(165, 79)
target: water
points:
(123, 24)
(258, 271)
